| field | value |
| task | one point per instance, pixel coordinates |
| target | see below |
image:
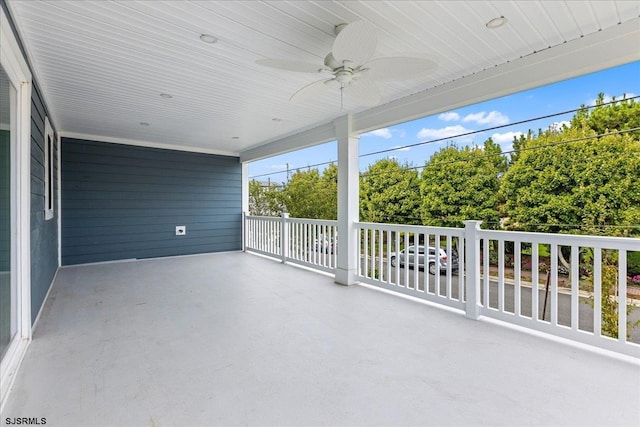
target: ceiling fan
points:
(352, 69)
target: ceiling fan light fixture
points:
(208, 38)
(352, 67)
(496, 22)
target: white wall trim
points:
(59, 191)
(149, 144)
(317, 135)
(48, 164)
(18, 72)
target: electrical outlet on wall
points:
(181, 230)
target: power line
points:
(536, 147)
(491, 128)
(581, 108)
(288, 171)
(502, 153)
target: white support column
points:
(348, 201)
(472, 268)
(284, 237)
(244, 231)
(245, 187)
(245, 202)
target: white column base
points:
(345, 277)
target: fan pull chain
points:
(342, 97)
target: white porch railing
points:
(263, 235)
(587, 303)
(308, 242)
(386, 261)
(514, 277)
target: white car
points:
(407, 256)
(325, 244)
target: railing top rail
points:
(605, 242)
(313, 221)
(423, 229)
(265, 218)
(295, 220)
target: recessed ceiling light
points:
(207, 38)
(144, 124)
(496, 22)
(166, 95)
(235, 137)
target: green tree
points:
(328, 193)
(308, 194)
(590, 183)
(609, 303)
(389, 193)
(264, 199)
(459, 184)
(619, 115)
(518, 143)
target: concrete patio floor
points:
(236, 339)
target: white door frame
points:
(16, 68)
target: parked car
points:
(325, 244)
(407, 256)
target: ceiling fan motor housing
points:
(352, 67)
(331, 62)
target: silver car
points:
(407, 256)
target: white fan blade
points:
(397, 68)
(298, 66)
(311, 90)
(363, 91)
(355, 43)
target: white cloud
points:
(402, 149)
(392, 157)
(501, 138)
(493, 118)
(445, 132)
(451, 116)
(505, 140)
(382, 133)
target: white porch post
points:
(284, 237)
(472, 268)
(245, 202)
(245, 187)
(348, 201)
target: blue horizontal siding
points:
(122, 202)
(44, 233)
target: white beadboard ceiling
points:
(102, 65)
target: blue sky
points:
(550, 99)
